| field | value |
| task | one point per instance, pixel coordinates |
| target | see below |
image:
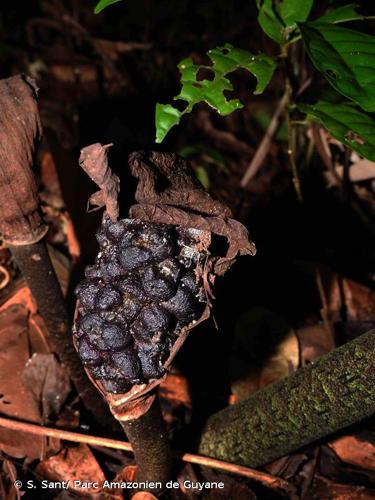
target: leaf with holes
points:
(224, 60)
(278, 17)
(345, 57)
(342, 14)
(347, 124)
(104, 4)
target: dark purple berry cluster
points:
(134, 301)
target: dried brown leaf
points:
(15, 398)
(20, 134)
(324, 488)
(144, 495)
(315, 341)
(168, 193)
(73, 464)
(94, 161)
(48, 382)
(357, 450)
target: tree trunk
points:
(315, 401)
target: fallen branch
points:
(314, 402)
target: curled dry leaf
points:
(94, 162)
(168, 193)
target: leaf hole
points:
(225, 51)
(180, 104)
(229, 95)
(205, 74)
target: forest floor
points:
(309, 289)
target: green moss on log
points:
(315, 401)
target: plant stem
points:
(149, 439)
(290, 126)
(263, 147)
(322, 398)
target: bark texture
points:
(324, 397)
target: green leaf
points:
(278, 17)
(103, 4)
(342, 14)
(166, 116)
(347, 124)
(202, 176)
(224, 60)
(345, 57)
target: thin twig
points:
(263, 147)
(263, 477)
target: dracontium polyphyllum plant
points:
(149, 286)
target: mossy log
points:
(320, 399)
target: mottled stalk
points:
(314, 402)
(149, 439)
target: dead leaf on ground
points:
(20, 296)
(323, 488)
(14, 354)
(144, 495)
(315, 341)
(48, 382)
(357, 450)
(233, 487)
(19, 403)
(73, 464)
(358, 300)
(175, 388)
(332, 467)
(288, 466)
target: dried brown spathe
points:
(20, 134)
